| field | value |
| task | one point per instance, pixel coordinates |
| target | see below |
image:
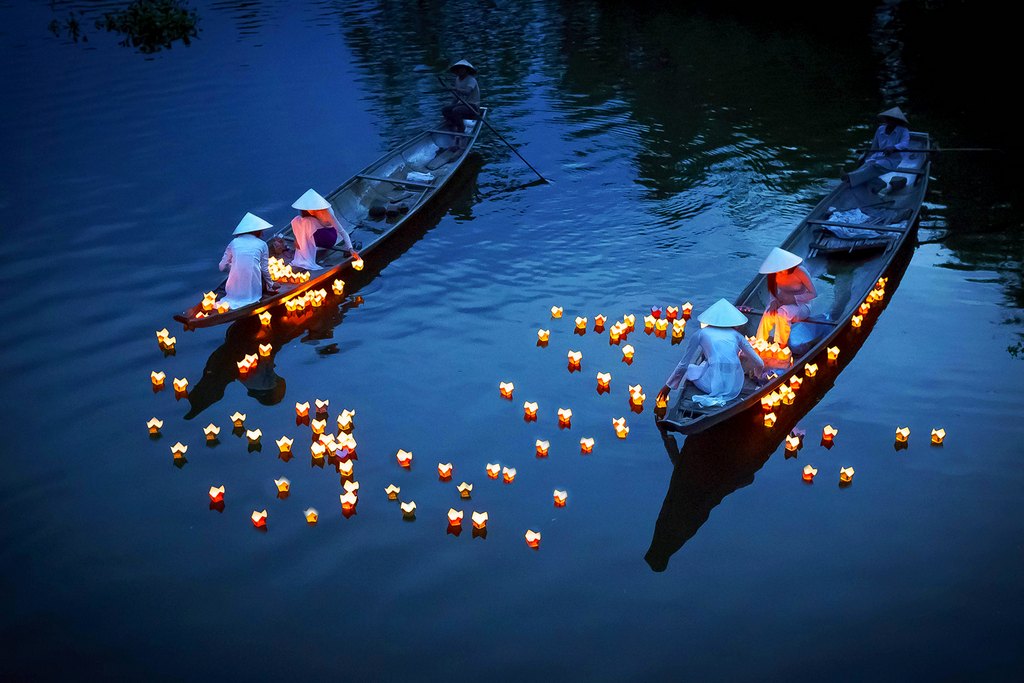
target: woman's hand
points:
(355, 255)
(663, 394)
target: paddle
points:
(934, 150)
(491, 128)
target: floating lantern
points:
(845, 475)
(543, 335)
(856, 320)
(345, 469)
(586, 445)
(766, 403)
(178, 450)
(811, 369)
(318, 426)
(167, 343)
(621, 430)
(627, 352)
(792, 443)
(180, 385)
(444, 470)
(686, 310)
(349, 501)
(649, 322)
(530, 410)
(532, 538)
(655, 312)
(311, 515)
(661, 403)
(603, 380)
(809, 473)
(357, 263)
(506, 389)
(238, 419)
(542, 448)
(769, 420)
(265, 318)
(351, 487)
(223, 307)
(322, 406)
(508, 474)
(671, 312)
(864, 308)
(404, 458)
(154, 425)
(829, 432)
(392, 491)
(565, 417)
(265, 349)
(465, 490)
(795, 382)
(455, 517)
(162, 334)
(317, 449)
(560, 498)
(833, 352)
(347, 442)
(629, 322)
(158, 379)
(345, 420)
(902, 434)
(283, 485)
(599, 321)
(938, 435)
(575, 358)
(409, 510)
(678, 328)
(556, 312)
(254, 435)
(217, 494)
(302, 409)
(284, 444)
(259, 519)
(493, 470)
(615, 334)
(479, 520)
(338, 287)
(788, 395)
(636, 394)
(581, 324)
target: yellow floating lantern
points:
(217, 494)
(178, 450)
(506, 389)
(508, 474)
(938, 435)
(604, 380)
(649, 322)
(530, 410)
(493, 470)
(479, 520)
(532, 538)
(902, 434)
(766, 403)
(788, 396)
(811, 369)
(154, 425)
(392, 491)
(345, 422)
(661, 325)
(845, 475)
(349, 501)
(792, 443)
(769, 420)
(265, 317)
(259, 518)
(455, 517)
(180, 385)
(338, 287)
(565, 417)
(637, 395)
(581, 323)
(856, 320)
(444, 470)
(223, 307)
(284, 444)
(678, 328)
(833, 352)
(795, 382)
(404, 458)
(621, 430)
(542, 448)
(560, 498)
(586, 445)
(575, 358)
(168, 343)
(543, 335)
(318, 450)
(238, 419)
(409, 510)
(556, 311)
(864, 308)
(302, 409)
(627, 352)
(318, 426)
(158, 379)
(465, 490)
(312, 516)
(357, 263)
(254, 435)
(283, 485)
(162, 334)
(265, 349)
(828, 433)
(661, 403)
(351, 487)
(346, 468)
(809, 473)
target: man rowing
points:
(885, 155)
(247, 261)
(316, 226)
(466, 104)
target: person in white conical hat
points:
(466, 88)
(247, 261)
(727, 354)
(891, 139)
(790, 292)
(316, 226)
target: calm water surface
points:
(683, 146)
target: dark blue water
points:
(683, 146)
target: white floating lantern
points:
(180, 385)
(392, 491)
(833, 352)
(560, 498)
(357, 263)
(506, 389)
(532, 538)
(581, 323)
(493, 470)
(530, 410)
(409, 510)
(455, 517)
(575, 358)
(811, 369)
(254, 435)
(346, 468)
(845, 475)
(627, 352)
(543, 335)
(809, 473)
(792, 443)
(556, 312)
(938, 435)
(154, 425)
(238, 419)
(444, 470)
(345, 420)
(465, 490)
(318, 426)
(351, 487)
(302, 409)
(265, 349)
(902, 434)
(265, 318)
(178, 450)
(158, 379)
(565, 416)
(322, 406)
(259, 518)
(284, 444)
(479, 520)
(404, 458)
(217, 494)
(586, 445)
(508, 474)
(542, 448)
(338, 287)
(348, 500)
(604, 380)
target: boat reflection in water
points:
(714, 463)
(244, 336)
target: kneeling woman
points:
(727, 353)
(316, 226)
(791, 291)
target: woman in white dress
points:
(791, 292)
(316, 226)
(247, 261)
(727, 353)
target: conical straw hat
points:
(779, 260)
(311, 200)
(463, 62)
(894, 113)
(251, 223)
(722, 314)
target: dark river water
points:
(683, 146)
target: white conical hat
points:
(463, 62)
(894, 113)
(311, 200)
(722, 314)
(251, 223)
(779, 260)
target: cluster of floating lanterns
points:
(165, 340)
(283, 272)
(311, 298)
(773, 354)
(209, 305)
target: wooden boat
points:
(406, 178)
(845, 259)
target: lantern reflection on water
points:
(506, 389)
(216, 493)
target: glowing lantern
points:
(829, 432)
(586, 445)
(809, 473)
(542, 448)
(180, 385)
(302, 409)
(238, 419)
(615, 333)
(636, 394)
(158, 379)
(788, 395)
(265, 318)
(599, 321)
(493, 470)
(352, 487)
(543, 335)
(508, 474)
(284, 444)
(217, 494)
(254, 435)
(627, 352)
(409, 510)
(223, 307)
(671, 312)
(162, 334)
(655, 312)
(649, 322)
(392, 491)
(530, 410)
(322, 406)
(265, 349)
(357, 263)
(444, 470)
(455, 517)
(506, 389)
(766, 403)
(686, 309)
(661, 403)
(856, 320)
(833, 352)
(338, 287)
(604, 381)
(259, 519)
(404, 458)
(560, 498)
(678, 328)
(795, 382)
(769, 420)
(565, 417)
(154, 425)
(902, 434)
(532, 538)
(792, 443)
(556, 312)
(621, 430)
(465, 490)
(811, 369)
(311, 515)
(345, 420)
(845, 475)
(283, 485)
(864, 308)
(318, 450)
(348, 500)
(938, 435)
(479, 520)
(178, 450)
(581, 323)
(575, 358)
(168, 343)
(318, 426)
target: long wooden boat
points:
(847, 262)
(406, 178)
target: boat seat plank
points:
(857, 226)
(452, 132)
(396, 181)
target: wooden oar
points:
(491, 128)
(933, 150)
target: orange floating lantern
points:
(283, 485)
(254, 435)
(508, 474)
(409, 510)
(392, 491)
(627, 352)
(586, 445)
(532, 538)
(238, 419)
(312, 516)
(465, 490)
(686, 309)
(479, 520)
(661, 403)
(864, 308)
(223, 307)
(845, 475)
(614, 333)
(833, 352)
(265, 349)
(302, 409)
(167, 343)
(154, 425)
(604, 380)
(766, 403)
(338, 287)
(556, 312)
(795, 382)
(581, 323)
(649, 322)
(629, 322)
(158, 379)
(349, 501)
(678, 328)
(560, 498)
(811, 369)
(769, 420)
(856, 320)
(346, 468)
(809, 473)
(621, 430)
(217, 494)
(357, 264)
(318, 450)
(284, 444)
(902, 434)
(493, 470)
(404, 458)
(637, 395)
(530, 410)
(792, 443)
(671, 312)
(938, 435)
(444, 470)
(575, 358)
(828, 433)
(506, 389)
(180, 385)
(178, 450)
(259, 518)
(788, 395)
(265, 318)
(564, 417)
(318, 426)
(455, 517)
(599, 321)
(345, 422)
(542, 448)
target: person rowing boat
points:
(886, 153)
(466, 103)
(247, 261)
(316, 226)
(791, 292)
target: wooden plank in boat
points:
(397, 181)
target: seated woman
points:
(316, 226)
(791, 291)
(885, 155)
(727, 353)
(247, 261)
